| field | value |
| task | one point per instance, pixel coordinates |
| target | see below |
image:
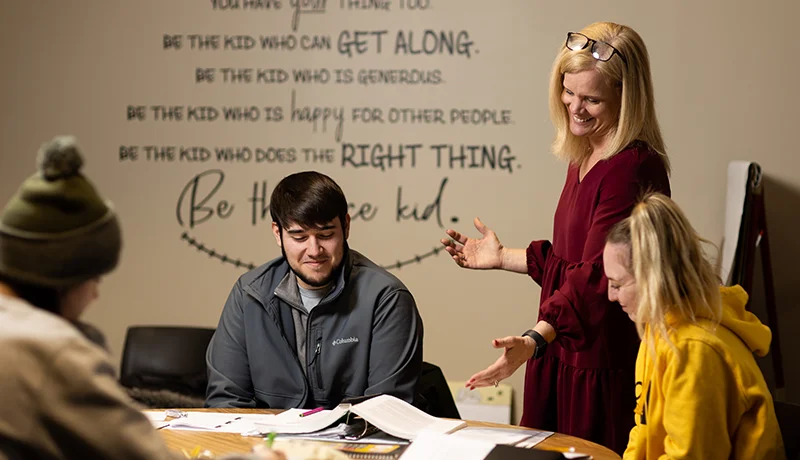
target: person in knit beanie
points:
(57, 235)
(59, 392)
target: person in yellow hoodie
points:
(699, 393)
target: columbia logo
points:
(347, 340)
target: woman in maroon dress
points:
(581, 354)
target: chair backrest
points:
(166, 358)
(788, 415)
(433, 394)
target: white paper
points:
(436, 446)
(738, 172)
(535, 439)
(220, 422)
(510, 436)
(379, 437)
(400, 419)
(155, 415)
(290, 421)
(484, 412)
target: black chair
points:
(433, 393)
(788, 415)
(166, 360)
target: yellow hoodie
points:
(706, 398)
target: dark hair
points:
(46, 298)
(309, 199)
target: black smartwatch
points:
(541, 343)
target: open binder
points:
(386, 413)
(385, 427)
(378, 427)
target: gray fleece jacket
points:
(363, 338)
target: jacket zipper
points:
(317, 350)
(317, 369)
(292, 350)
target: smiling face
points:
(593, 105)
(314, 254)
(621, 283)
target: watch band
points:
(541, 343)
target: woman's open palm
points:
(483, 253)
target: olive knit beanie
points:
(57, 231)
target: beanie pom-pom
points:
(59, 158)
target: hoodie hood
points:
(743, 323)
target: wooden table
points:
(224, 443)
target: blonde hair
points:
(637, 117)
(666, 258)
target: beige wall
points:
(725, 79)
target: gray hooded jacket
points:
(363, 338)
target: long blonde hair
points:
(666, 258)
(637, 117)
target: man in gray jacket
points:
(319, 324)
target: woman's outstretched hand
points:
(484, 253)
(517, 350)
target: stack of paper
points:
(221, 422)
(291, 421)
(391, 415)
(509, 436)
(436, 446)
(401, 419)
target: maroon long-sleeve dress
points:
(584, 384)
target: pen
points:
(312, 411)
